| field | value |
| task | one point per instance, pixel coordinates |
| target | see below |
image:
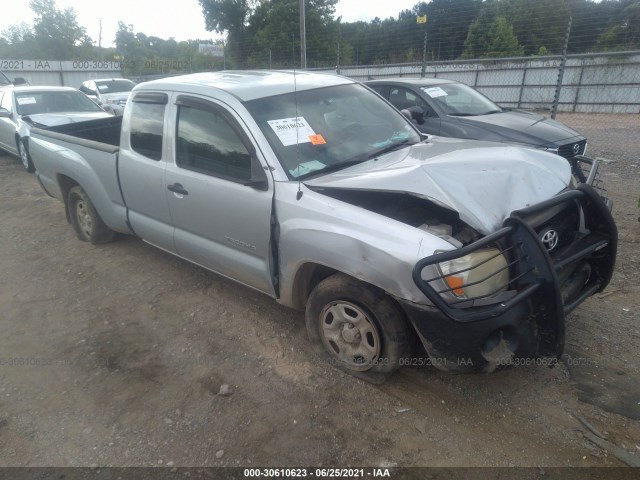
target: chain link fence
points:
(592, 83)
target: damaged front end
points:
(504, 298)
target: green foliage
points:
(266, 33)
(230, 17)
(625, 35)
(56, 33)
(274, 28)
(491, 35)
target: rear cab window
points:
(147, 124)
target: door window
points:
(403, 98)
(207, 143)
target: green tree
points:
(492, 40)
(625, 35)
(275, 26)
(537, 23)
(57, 33)
(18, 41)
(230, 17)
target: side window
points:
(403, 98)
(206, 142)
(377, 89)
(147, 121)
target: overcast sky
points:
(180, 19)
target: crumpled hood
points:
(483, 181)
(53, 119)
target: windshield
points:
(113, 86)
(336, 127)
(31, 103)
(460, 100)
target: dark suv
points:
(452, 109)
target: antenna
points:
(295, 97)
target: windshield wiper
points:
(330, 168)
(389, 148)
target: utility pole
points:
(423, 19)
(100, 35)
(303, 37)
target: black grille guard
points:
(533, 273)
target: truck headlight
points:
(479, 274)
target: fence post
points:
(563, 63)
(424, 55)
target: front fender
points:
(317, 229)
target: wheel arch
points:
(65, 184)
(310, 274)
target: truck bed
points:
(83, 153)
(102, 131)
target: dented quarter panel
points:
(484, 182)
(322, 230)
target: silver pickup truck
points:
(314, 190)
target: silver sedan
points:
(24, 107)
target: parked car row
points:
(23, 107)
(314, 190)
(110, 93)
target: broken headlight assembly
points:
(480, 274)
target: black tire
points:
(357, 328)
(86, 222)
(23, 154)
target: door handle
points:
(178, 188)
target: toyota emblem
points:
(576, 148)
(549, 239)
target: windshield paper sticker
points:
(434, 92)
(103, 87)
(26, 100)
(306, 167)
(286, 129)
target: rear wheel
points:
(86, 222)
(357, 328)
(25, 158)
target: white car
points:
(110, 93)
(24, 107)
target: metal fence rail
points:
(592, 83)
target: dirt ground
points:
(114, 355)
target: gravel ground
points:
(116, 355)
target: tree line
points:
(266, 34)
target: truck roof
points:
(249, 84)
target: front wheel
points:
(357, 327)
(86, 222)
(25, 158)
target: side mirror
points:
(20, 81)
(4, 113)
(258, 178)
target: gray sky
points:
(179, 19)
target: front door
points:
(219, 195)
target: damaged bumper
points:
(526, 318)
